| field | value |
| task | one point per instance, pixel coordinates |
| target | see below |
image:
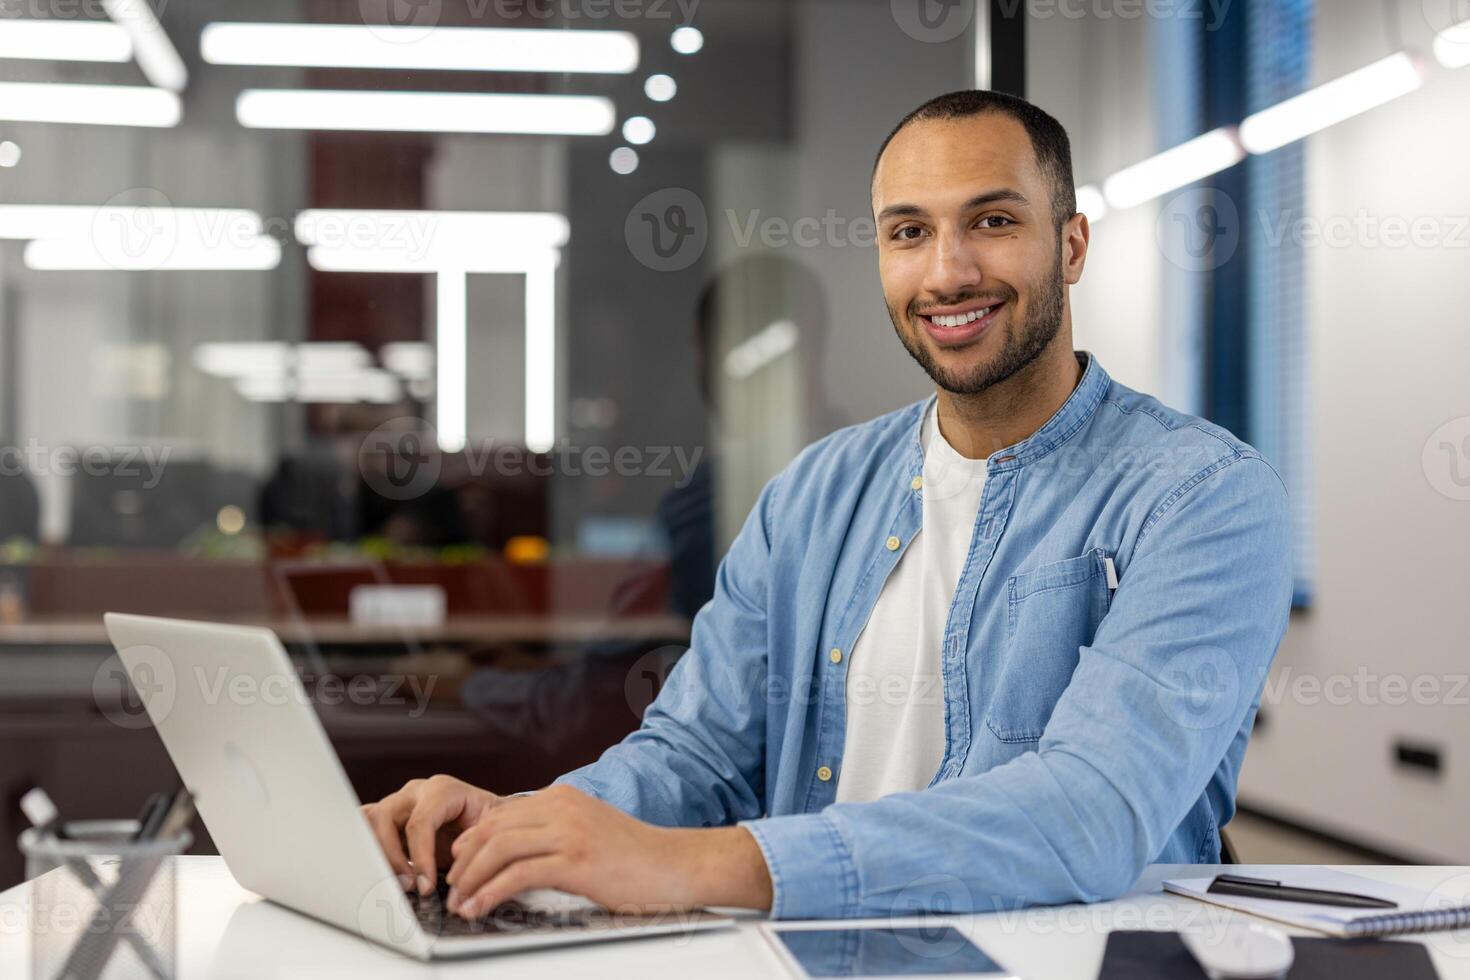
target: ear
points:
(1075, 236)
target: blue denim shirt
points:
(1127, 584)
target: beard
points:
(1022, 345)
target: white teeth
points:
(960, 319)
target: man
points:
(1000, 647)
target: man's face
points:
(970, 259)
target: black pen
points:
(151, 815)
(1275, 890)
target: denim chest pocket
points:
(1052, 611)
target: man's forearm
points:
(725, 868)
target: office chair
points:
(1227, 852)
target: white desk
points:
(226, 933)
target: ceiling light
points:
(156, 54)
(67, 255)
(1172, 169)
(425, 112)
(638, 130)
(64, 40)
(1331, 103)
(686, 40)
(100, 105)
(9, 154)
(1452, 46)
(444, 48)
(1090, 202)
(623, 160)
(760, 349)
(24, 221)
(409, 359)
(660, 88)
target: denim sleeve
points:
(698, 758)
(1175, 668)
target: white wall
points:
(1096, 78)
(1389, 348)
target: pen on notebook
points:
(1275, 890)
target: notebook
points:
(1417, 911)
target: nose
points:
(954, 266)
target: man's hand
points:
(562, 838)
(426, 814)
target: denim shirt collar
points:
(1073, 414)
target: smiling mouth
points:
(961, 326)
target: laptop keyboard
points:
(512, 916)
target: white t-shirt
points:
(895, 684)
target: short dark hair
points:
(1048, 139)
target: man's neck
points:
(1006, 413)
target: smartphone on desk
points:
(878, 952)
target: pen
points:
(42, 813)
(151, 815)
(1275, 890)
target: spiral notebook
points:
(1417, 911)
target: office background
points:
(552, 391)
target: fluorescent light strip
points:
(541, 355)
(63, 255)
(451, 314)
(425, 112)
(97, 105)
(452, 244)
(425, 241)
(1172, 169)
(1326, 105)
(29, 221)
(1090, 201)
(761, 349)
(64, 40)
(412, 48)
(156, 54)
(1452, 46)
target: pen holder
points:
(107, 907)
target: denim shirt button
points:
(824, 774)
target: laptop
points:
(248, 744)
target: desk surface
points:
(226, 933)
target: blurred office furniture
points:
(127, 501)
(20, 507)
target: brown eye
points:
(995, 217)
(902, 235)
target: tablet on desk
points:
(882, 951)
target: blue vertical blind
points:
(1276, 405)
